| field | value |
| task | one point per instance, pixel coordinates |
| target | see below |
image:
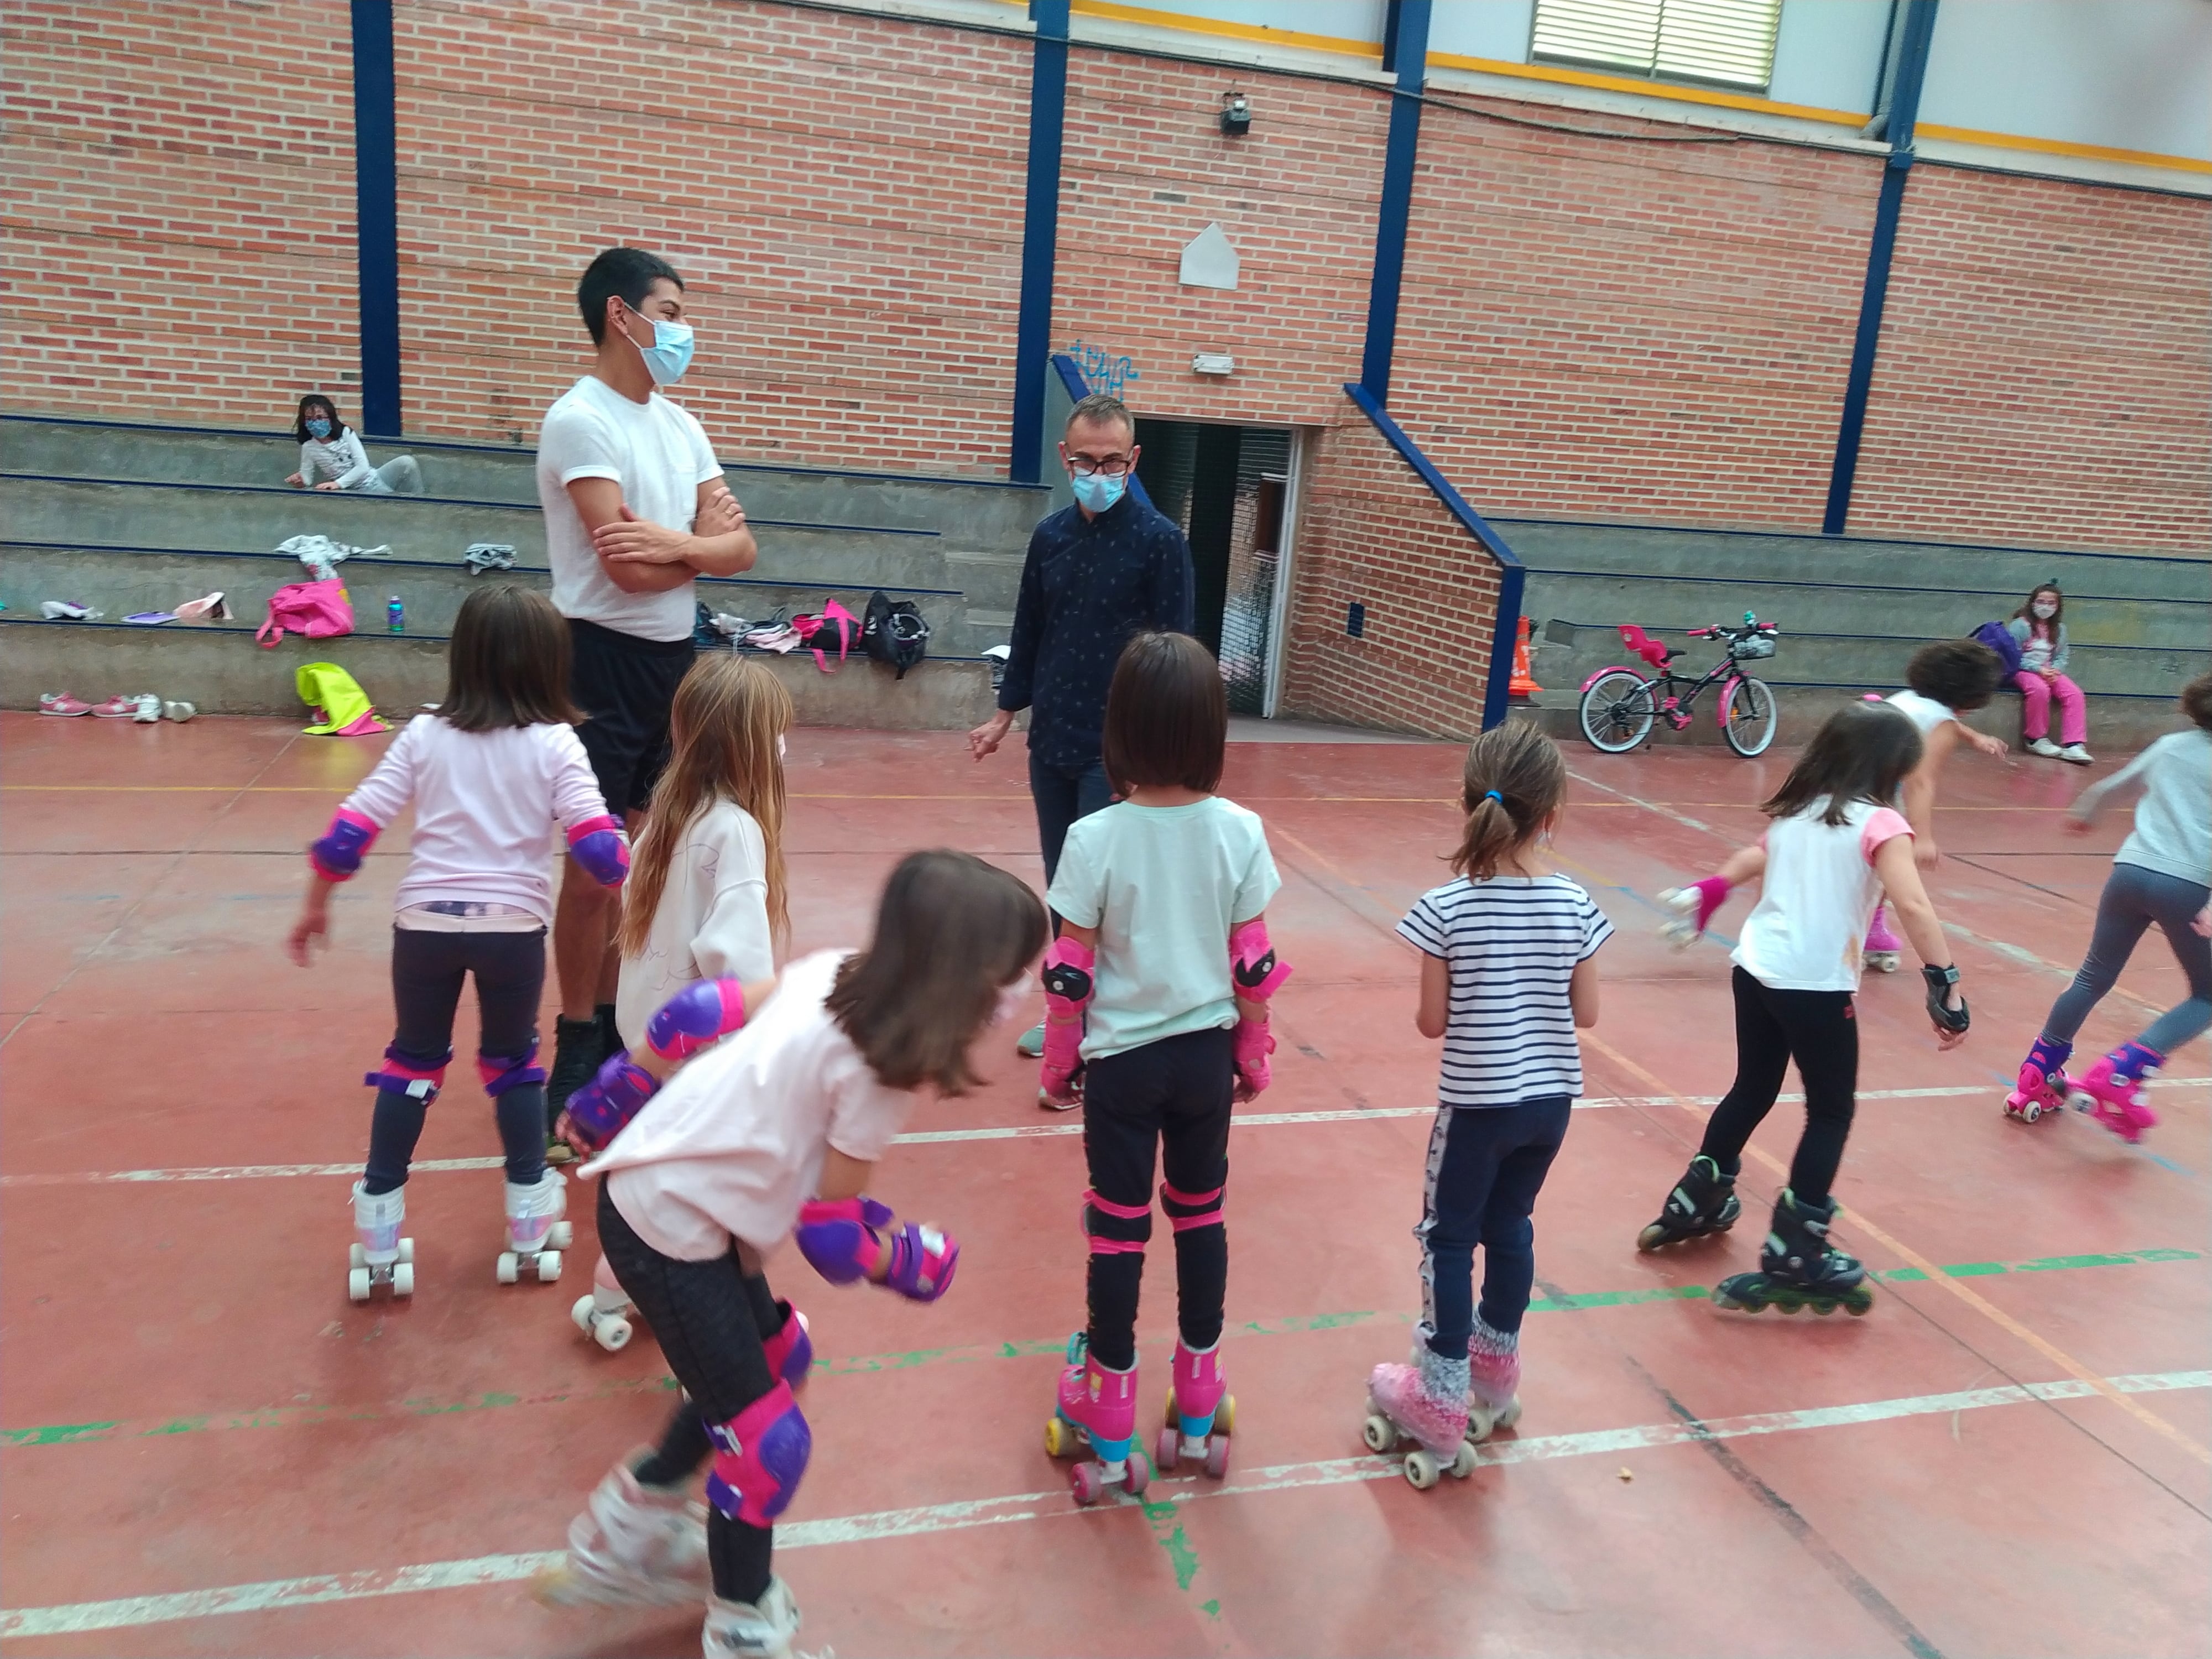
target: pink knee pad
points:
(501, 1073)
(791, 1350)
(1115, 1228)
(760, 1456)
(1189, 1210)
(403, 1076)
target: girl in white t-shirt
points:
(490, 774)
(1834, 846)
(768, 1135)
(1164, 946)
(332, 456)
(706, 897)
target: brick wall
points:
(2045, 368)
(180, 214)
(842, 194)
(1626, 327)
(1145, 168)
(1372, 532)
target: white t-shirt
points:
(711, 921)
(734, 1143)
(1808, 929)
(1511, 945)
(1163, 885)
(485, 804)
(340, 461)
(660, 455)
(2173, 820)
(1925, 713)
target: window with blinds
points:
(1723, 43)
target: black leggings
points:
(1175, 1091)
(712, 1318)
(1818, 1031)
(427, 971)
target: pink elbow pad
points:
(697, 1017)
(597, 844)
(337, 855)
(1253, 961)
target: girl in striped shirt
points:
(1508, 970)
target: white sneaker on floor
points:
(2045, 747)
(2076, 753)
(751, 1630)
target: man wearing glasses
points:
(1097, 572)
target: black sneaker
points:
(578, 1051)
(609, 1038)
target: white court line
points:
(76, 1618)
(940, 1137)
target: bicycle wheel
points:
(1748, 717)
(1617, 711)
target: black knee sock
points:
(768, 1313)
(522, 1132)
(739, 1556)
(393, 1133)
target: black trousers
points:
(426, 974)
(1176, 1093)
(712, 1318)
(1819, 1030)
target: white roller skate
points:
(380, 1255)
(1880, 952)
(535, 1235)
(604, 1315)
(633, 1545)
(751, 1630)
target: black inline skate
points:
(1704, 1201)
(1797, 1268)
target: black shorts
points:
(626, 686)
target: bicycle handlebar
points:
(1718, 631)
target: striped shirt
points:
(1511, 944)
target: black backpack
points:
(893, 632)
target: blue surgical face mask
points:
(319, 428)
(670, 354)
(1100, 490)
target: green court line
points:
(284, 1417)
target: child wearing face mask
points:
(2040, 628)
(332, 456)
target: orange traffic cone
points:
(1524, 684)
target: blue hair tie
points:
(1492, 794)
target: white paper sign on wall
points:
(1209, 261)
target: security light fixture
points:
(1235, 114)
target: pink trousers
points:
(2035, 719)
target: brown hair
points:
(2036, 624)
(951, 933)
(1862, 753)
(1167, 716)
(728, 713)
(2196, 700)
(508, 664)
(1960, 674)
(1512, 787)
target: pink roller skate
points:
(1493, 1381)
(1881, 950)
(2043, 1084)
(2111, 1090)
(1199, 1414)
(1424, 1401)
(1097, 1410)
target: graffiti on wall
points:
(1103, 370)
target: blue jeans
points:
(1063, 796)
(1486, 1165)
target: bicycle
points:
(1618, 705)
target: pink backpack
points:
(316, 611)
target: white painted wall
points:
(1495, 29)
(2126, 74)
(1827, 53)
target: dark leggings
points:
(1486, 1164)
(1818, 1031)
(2133, 899)
(427, 971)
(1177, 1093)
(711, 1317)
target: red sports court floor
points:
(209, 1450)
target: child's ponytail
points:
(1511, 789)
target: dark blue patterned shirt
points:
(1088, 585)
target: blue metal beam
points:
(1902, 111)
(1040, 236)
(1406, 33)
(376, 212)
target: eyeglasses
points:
(1083, 467)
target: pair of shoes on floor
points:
(2073, 752)
(144, 707)
(211, 607)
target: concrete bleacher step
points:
(980, 512)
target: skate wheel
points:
(1421, 1470)
(1859, 1310)
(1058, 1439)
(508, 1267)
(561, 1235)
(613, 1334)
(356, 1257)
(1140, 1475)
(1786, 1307)
(1824, 1306)
(1464, 1460)
(1652, 1236)
(1378, 1433)
(357, 1284)
(403, 1279)
(581, 1314)
(1509, 1417)
(1169, 1449)
(1083, 1480)
(1225, 1415)
(1216, 1458)
(548, 1265)
(406, 1250)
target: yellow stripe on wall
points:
(2141, 158)
(1255, 32)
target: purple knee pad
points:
(336, 854)
(599, 1111)
(760, 1456)
(597, 845)
(403, 1075)
(501, 1073)
(700, 1015)
(791, 1350)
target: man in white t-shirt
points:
(636, 511)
